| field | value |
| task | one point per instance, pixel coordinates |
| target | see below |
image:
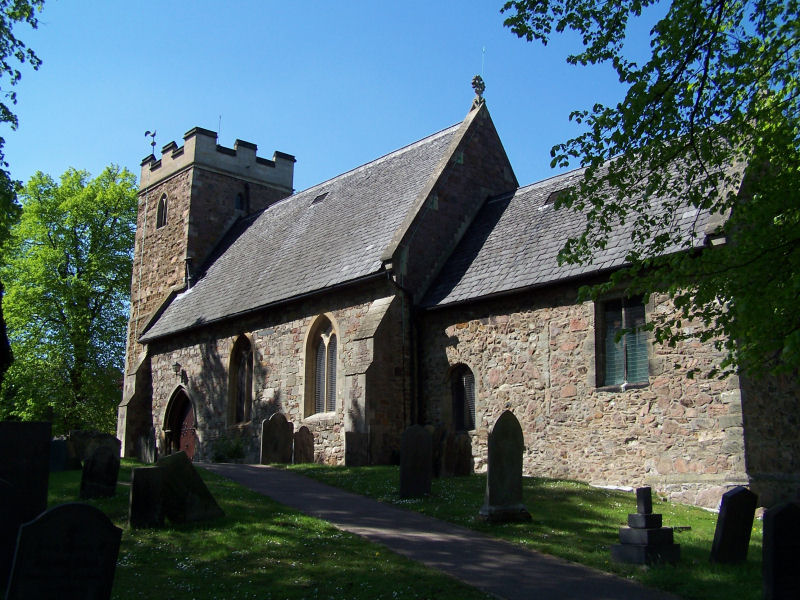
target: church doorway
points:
(180, 430)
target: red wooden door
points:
(188, 438)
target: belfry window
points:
(161, 214)
(321, 356)
(462, 383)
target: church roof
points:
(329, 234)
(514, 240)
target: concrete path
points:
(491, 565)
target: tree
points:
(67, 272)
(710, 121)
(11, 49)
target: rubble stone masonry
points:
(534, 353)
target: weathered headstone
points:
(503, 500)
(276, 440)
(781, 552)
(100, 472)
(645, 541)
(303, 446)
(185, 497)
(463, 464)
(146, 508)
(68, 552)
(25, 463)
(82, 442)
(438, 442)
(416, 465)
(734, 524)
(10, 520)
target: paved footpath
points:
(491, 565)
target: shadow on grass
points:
(573, 521)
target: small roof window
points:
(319, 198)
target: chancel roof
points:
(326, 235)
(514, 240)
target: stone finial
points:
(479, 87)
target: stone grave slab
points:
(463, 464)
(67, 553)
(416, 463)
(781, 552)
(25, 463)
(645, 541)
(100, 472)
(276, 440)
(734, 525)
(82, 442)
(303, 445)
(185, 496)
(503, 499)
(438, 437)
(146, 508)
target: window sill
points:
(623, 387)
(321, 418)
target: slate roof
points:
(514, 241)
(298, 246)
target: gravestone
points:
(645, 541)
(10, 520)
(100, 472)
(463, 463)
(146, 508)
(734, 524)
(25, 463)
(276, 440)
(503, 500)
(83, 442)
(438, 441)
(185, 496)
(303, 446)
(416, 465)
(781, 552)
(68, 553)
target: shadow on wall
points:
(771, 420)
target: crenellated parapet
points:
(200, 148)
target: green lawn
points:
(260, 549)
(576, 522)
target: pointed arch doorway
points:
(180, 424)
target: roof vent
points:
(319, 198)
(556, 195)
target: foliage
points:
(12, 51)
(710, 121)
(260, 549)
(67, 272)
(574, 521)
(228, 449)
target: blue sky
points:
(336, 84)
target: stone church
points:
(422, 287)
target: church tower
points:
(188, 200)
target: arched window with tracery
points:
(321, 356)
(462, 383)
(240, 382)
(161, 213)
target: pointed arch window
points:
(161, 214)
(240, 382)
(321, 368)
(462, 383)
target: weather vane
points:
(152, 137)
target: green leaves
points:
(708, 123)
(67, 275)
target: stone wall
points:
(378, 391)
(534, 353)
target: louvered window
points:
(463, 391)
(324, 375)
(623, 360)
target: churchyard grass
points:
(260, 549)
(576, 522)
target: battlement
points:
(200, 148)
